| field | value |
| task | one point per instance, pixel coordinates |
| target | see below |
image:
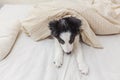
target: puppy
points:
(66, 32)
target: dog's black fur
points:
(70, 24)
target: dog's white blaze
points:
(67, 47)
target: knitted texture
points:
(95, 19)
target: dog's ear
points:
(53, 27)
(74, 21)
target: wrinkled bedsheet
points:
(31, 60)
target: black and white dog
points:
(66, 32)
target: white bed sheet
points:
(31, 60)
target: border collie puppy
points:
(66, 32)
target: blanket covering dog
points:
(101, 17)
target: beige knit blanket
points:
(99, 17)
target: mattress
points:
(30, 60)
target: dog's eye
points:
(61, 41)
(72, 39)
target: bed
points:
(30, 60)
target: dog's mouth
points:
(66, 52)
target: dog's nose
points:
(68, 53)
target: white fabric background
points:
(10, 26)
(31, 60)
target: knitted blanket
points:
(99, 17)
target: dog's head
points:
(65, 30)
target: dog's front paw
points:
(83, 69)
(58, 61)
